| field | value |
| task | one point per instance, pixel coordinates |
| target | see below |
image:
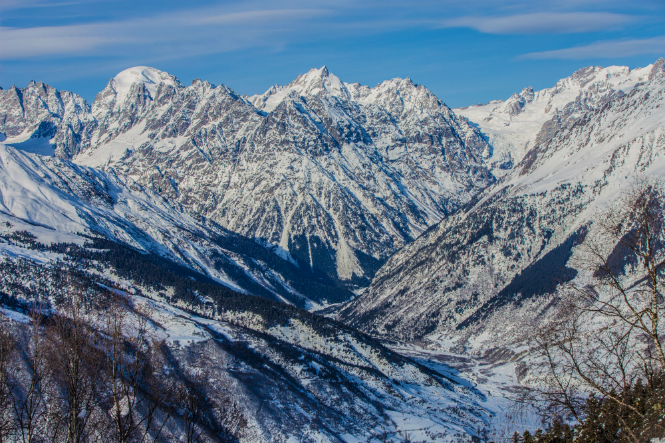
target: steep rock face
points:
(476, 276)
(530, 118)
(39, 117)
(64, 199)
(333, 176)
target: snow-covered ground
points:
(492, 373)
(38, 145)
(294, 378)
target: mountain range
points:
(478, 276)
(399, 218)
(330, 176)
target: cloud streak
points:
(235, 26)
(543, 23)
(64, 40)
(6, 5)
(264, 15)
(603, 49)
(169, 35)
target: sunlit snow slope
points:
(516, 125)
(65, 200)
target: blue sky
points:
(466, 52)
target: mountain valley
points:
(352, 263)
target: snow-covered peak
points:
(400, 95)
(316, 82)
(530, 117)
(392, 86)
(617, 77)
(150, 77)
(119, 87)
(657, 69)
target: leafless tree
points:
(84, 373)
(29, 388)
(160, 389)
(607, 335)
(7, 353)
(75, 363)
(191, 405)
(133, 386)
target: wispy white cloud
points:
(603, 49)
(274, 24)
(543, 22)
(186, 33)
(32, 42)
(263, 15)
(6, 5)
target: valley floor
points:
(494, 374)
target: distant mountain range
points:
(380, 207)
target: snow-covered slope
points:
(334, 176)
(273, 372)
(57, 198)
(479, 275)
(529, 118)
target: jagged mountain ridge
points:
(528, 118)
(474, 278)
(40, 118)
(287, 378)
(335, 177)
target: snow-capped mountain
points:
(333, 176)
(514, 126)
(189, 198)
(279, 371)
(478, 276)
